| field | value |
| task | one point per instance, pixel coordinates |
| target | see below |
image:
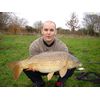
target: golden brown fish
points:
(47, 62)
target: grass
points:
(15, 47)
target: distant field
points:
(15, 47)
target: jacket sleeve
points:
(33, 49)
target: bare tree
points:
(73, 22)
(92, 23)
(16, 24)
(38, 25)
(9, 21)
(5, 18)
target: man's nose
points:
(48, 32)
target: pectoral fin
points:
(50, 75)
(63, 71)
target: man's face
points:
(49, 31)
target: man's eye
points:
(51, 30)
(45, 29)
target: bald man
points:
(47, 42)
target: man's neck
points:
(48, 43)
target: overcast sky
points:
(56, 10)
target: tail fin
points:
(16, 68)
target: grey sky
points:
(56, 10)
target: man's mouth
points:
(48, 36)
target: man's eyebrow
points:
(52, 29)
(45, 28)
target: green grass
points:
(15, 47)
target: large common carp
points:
(47, 62)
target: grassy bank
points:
(15, 47)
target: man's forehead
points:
(49, 23)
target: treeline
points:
(12, 24)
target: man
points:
(48, 42)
